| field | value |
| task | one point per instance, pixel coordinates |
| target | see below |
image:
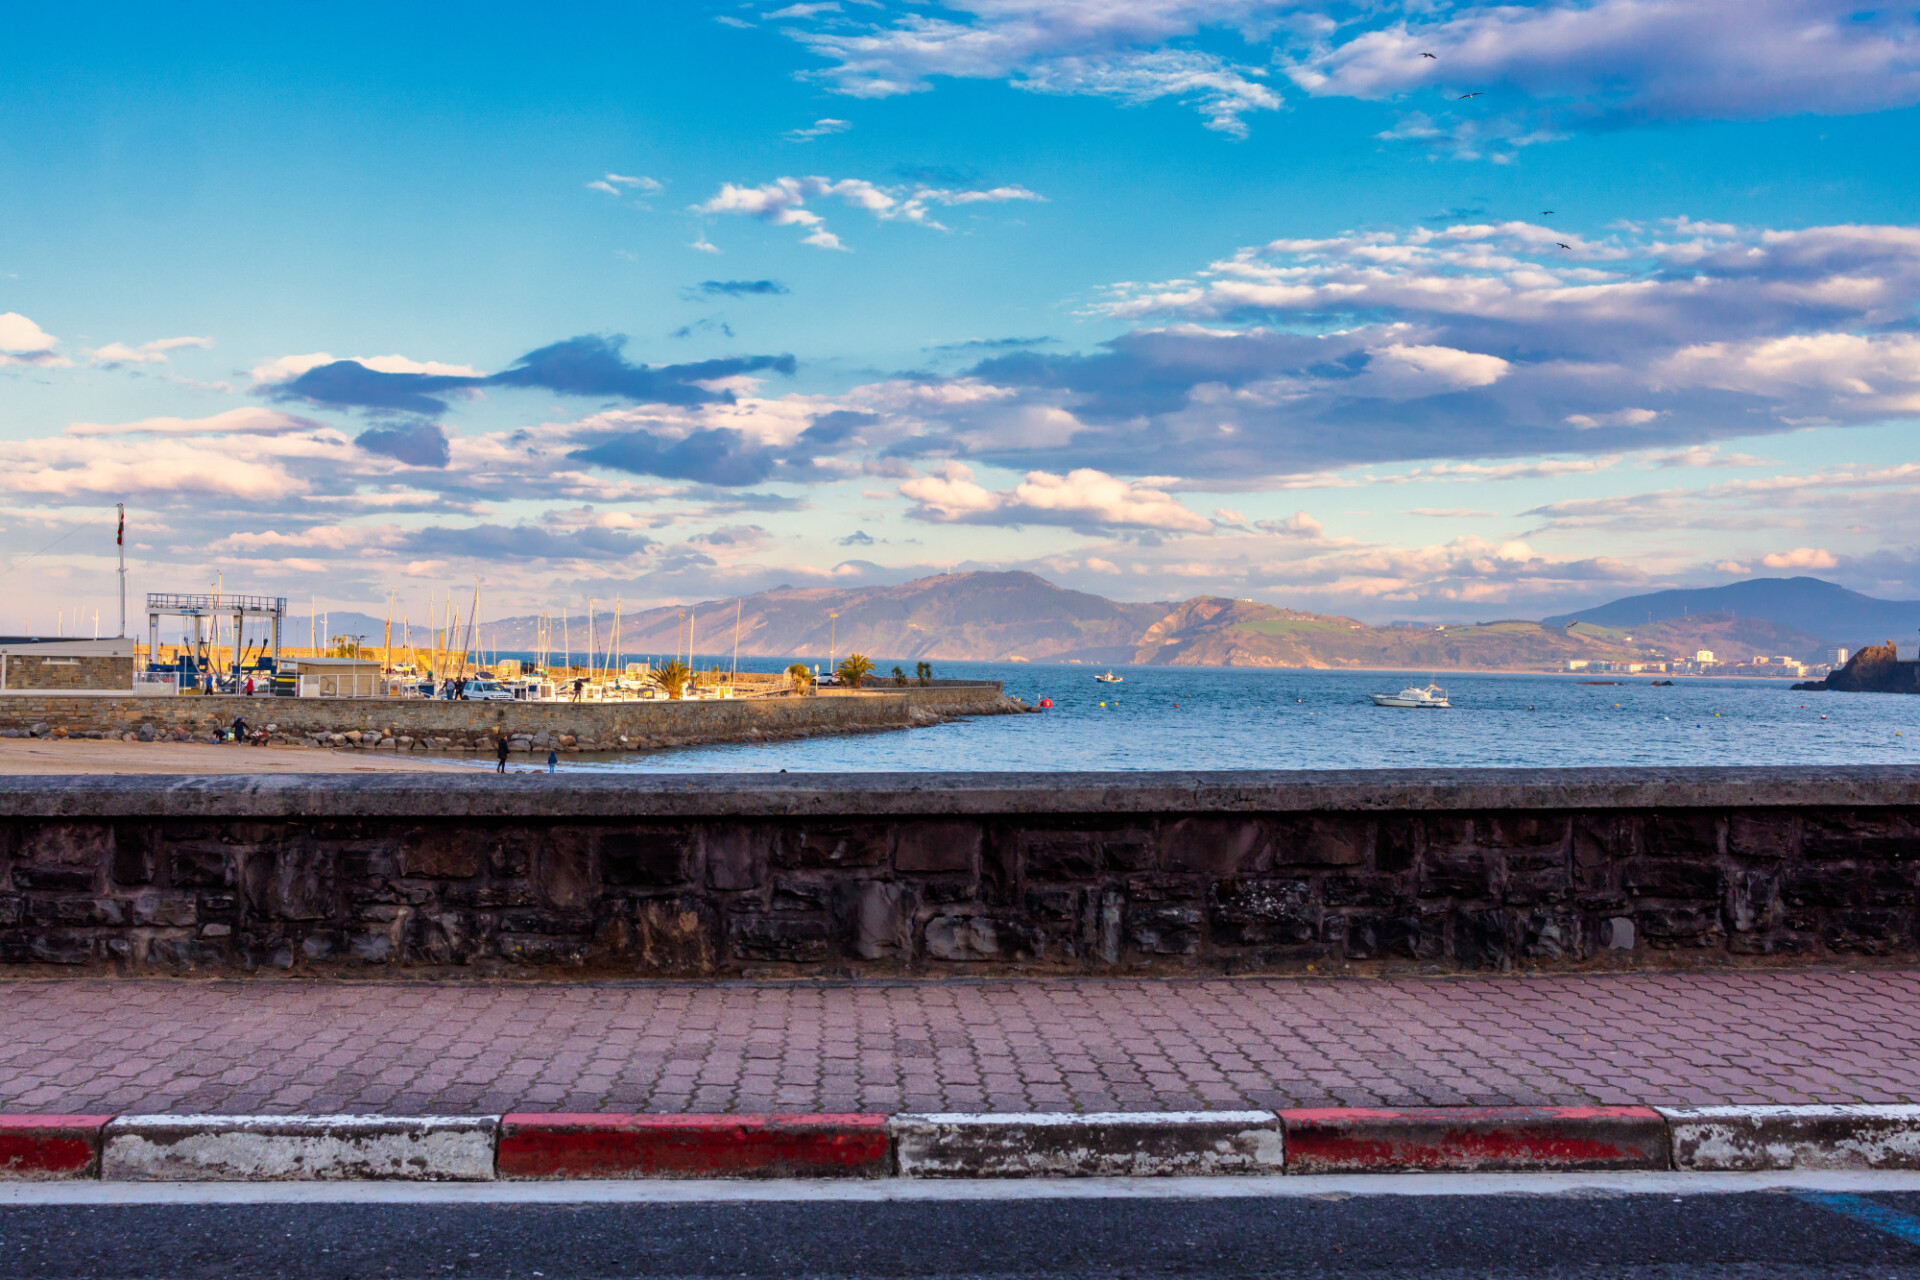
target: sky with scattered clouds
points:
(1437, 310)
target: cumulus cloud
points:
(24, 342)
(1468, 341)
(1083, 498)
(783, 202)
(1543, 68)
(1631, 60)
(1800, 558)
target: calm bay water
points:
(1236, 718)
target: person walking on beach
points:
(500, 749)
(553, 760)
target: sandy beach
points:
(85, 755)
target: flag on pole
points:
(120, 535)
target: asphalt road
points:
(1589, 1233)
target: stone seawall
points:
(951, 874)
(415, 724)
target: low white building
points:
(338, 677)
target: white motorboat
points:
(1431, 696)
(1109, 678)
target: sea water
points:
(1244, 718)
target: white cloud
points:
(619, 184)
(234, 422)
(1800, 558)
(24, 342)
(824, 127)
(147, 352)
(287, 368)
(1089, 47)
(1618, 418)
(1095, 497)
(783, 202)
(1082, 497)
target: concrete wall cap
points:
(933, 794)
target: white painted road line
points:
(832, 1190)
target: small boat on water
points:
(1110, 678)
(1431, 696)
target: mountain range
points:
(1014, 616)
(1843, 616)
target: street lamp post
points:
(833, 640)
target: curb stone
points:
(35, 1148)
(1753, 1139)
(642, 1146)
(1474, 1139)
(1103, 1144)
(526, 1146)
(299, 1148)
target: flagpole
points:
(120, 540)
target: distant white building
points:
(1704, 657)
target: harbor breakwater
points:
(815, 876)
(420, 724)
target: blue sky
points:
(1156, 298)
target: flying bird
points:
(1546, 213)
(1428, 55)
(1463, 97)
(1563, 246)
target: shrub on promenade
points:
(854, 668)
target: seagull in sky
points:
(1463, 97)
(1546, 213)
(1563, 246)
(1428, 55)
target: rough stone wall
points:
(28, 671)
(420, 724)
(677, 877)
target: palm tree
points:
(923, 672)
(674, 677)
(800, 677)
(900, 677)
(854, 668)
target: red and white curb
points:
(549, 1147)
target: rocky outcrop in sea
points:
(1874, 669)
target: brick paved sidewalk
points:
(1796, 1037)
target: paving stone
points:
(1659, 1039)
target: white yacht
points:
(1431, 696)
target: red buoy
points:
(1046, 702)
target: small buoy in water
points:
(1046, 702)
(1823, 717)
(1103, 704)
